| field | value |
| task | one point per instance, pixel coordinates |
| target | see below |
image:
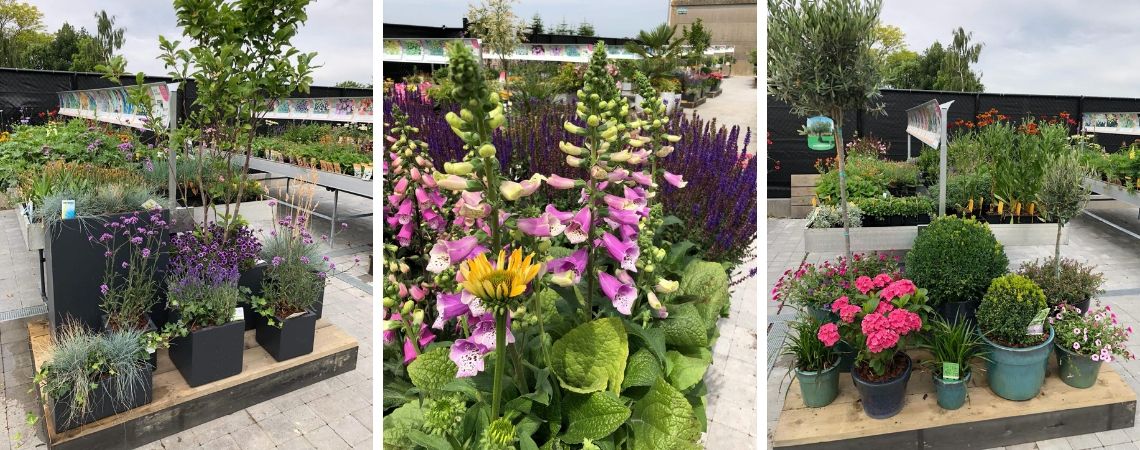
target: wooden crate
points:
(177, 407)
(803, 189)
(985, 421)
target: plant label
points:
(67, 209)
(950, 371)
(150, 205)
(239, 314)
(820, 133)
(1037, 325)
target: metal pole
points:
(171, 153)
(942, 160)
(908, 147)
(332, 222)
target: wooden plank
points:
(177, 407)
(1059, 410)
(802, 180)
(800, 212)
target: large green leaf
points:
(653, 338)
(663, 419)
(686, 371)
(432, 370)
(685, 327)
(708, 282)
(643, 370)
(592, 356)
(593, 416)
(399, 426)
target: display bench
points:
(985, 421)
(177, 407)
(1114, 191)
(864, 239)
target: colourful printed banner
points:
(924, 122)
(1111, 123)
(434, 51)
(330, 109)
(429, 51)
(112, 105)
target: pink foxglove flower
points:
(404, 213)
(401, 186)
(453, 183)
(483, 333)
(641, 178)
(567, 271)
(624, 252)
(622, 295)
(675, 180)
(426, 337)
(561, 215)
(545, 225)
(468, 356)
(579, 227)
(445, 253)
(558, 182)
(448, 306)
(404, 237)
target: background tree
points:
(495, 23)
(586, 29)
(109, 38)
(955, 73)
(563, 28)
(821, 61)
(939, 67)
(536, 26)
(21, 28)
(659, 50)
(699, 40)
(350, 84)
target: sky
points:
(610, 18)
(340, 31)
(1039, 47)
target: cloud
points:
(340, 31)
(1041, 47)
(616, 19)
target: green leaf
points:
(593, 416)
(677, 253)
(685, 371)
(653, 338)
(643, 370)
(707, 281)
(399, 425)
(432, 370)
(430, 441)
(592, 356)
(663, 419)
(685, 327)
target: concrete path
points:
(1115, 253)
(736, 106)
(335, 413)
(732, 377)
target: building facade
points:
(731, 22)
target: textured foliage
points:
(955, 260)
(1008, 307)
(592, 357)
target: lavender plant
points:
(204, 272)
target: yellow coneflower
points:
(494, 284)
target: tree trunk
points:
(1057, 252)
(837, 116)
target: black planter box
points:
(923, 219)
(894, 221)
(873, 221)
(102, 405)
(251, 279)
(209, 354)
(293, 339)
(73, 269)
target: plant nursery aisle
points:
(1114, 253)
(335, 413)
(736, 106)
(732, 377)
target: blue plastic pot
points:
(951, 393)
(819, 389)
(885, 399)
(1017, 373)
(1077, 370)
(846, 356)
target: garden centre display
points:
(1011, 319)
(953, 346)
(539, 265)
(816, 364)
(955, 260)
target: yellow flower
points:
(494, 284)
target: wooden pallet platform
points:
(177, 407)
(985, 421)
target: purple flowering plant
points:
(132, 244)
(204, 269)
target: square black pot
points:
(251, 279)
(894, 221)
(101, 403)
(293, 339)
(73, 269)
(209, 354)
(924, 219)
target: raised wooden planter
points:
(864, 239)
(177, 407)
(985, 421)
(33, 233)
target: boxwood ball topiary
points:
(1007, 308)
(955, 259)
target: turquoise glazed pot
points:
(883, 400)
(951, 394)
(1078, 371)
(819, 389)
(1017, 373)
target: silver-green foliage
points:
(82, 359)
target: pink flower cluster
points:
(883, 331)
(897, 289)
(845, 309)
(828, 334)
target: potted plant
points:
(955, 260)
(952, 347)
(1011, 322)
(1075, 285)
(816, 365)
(91, 376)
(1085, 340)
(208, 334)
(878, 321)
(1063, 195)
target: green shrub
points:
(1077, 282)
(827, 216)
(1007, 308)
(896, 206)
(857, 187)
(955, 260)
(927, 163)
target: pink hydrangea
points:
(903, 321)
(882, 339)
(897, 289)
(848, 312)
(828, 334)
(885, 308)
(864, 284)
(882, 280)
(874, 322)
(839, 303)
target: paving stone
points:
(1054, 444)
(252, 437)
(325, 438)
(226, 442)
(350, 429)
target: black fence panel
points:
(789, 151)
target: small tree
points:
(586, 29)
(820, 61)
(659, 50)
(563, 28)
(1063, 195)
(110, 38)
(496, 25)
(699, 40)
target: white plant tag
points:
(150, 204)
(1037, 325)
(296, 314)
(239, 314)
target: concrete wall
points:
(730, 24)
